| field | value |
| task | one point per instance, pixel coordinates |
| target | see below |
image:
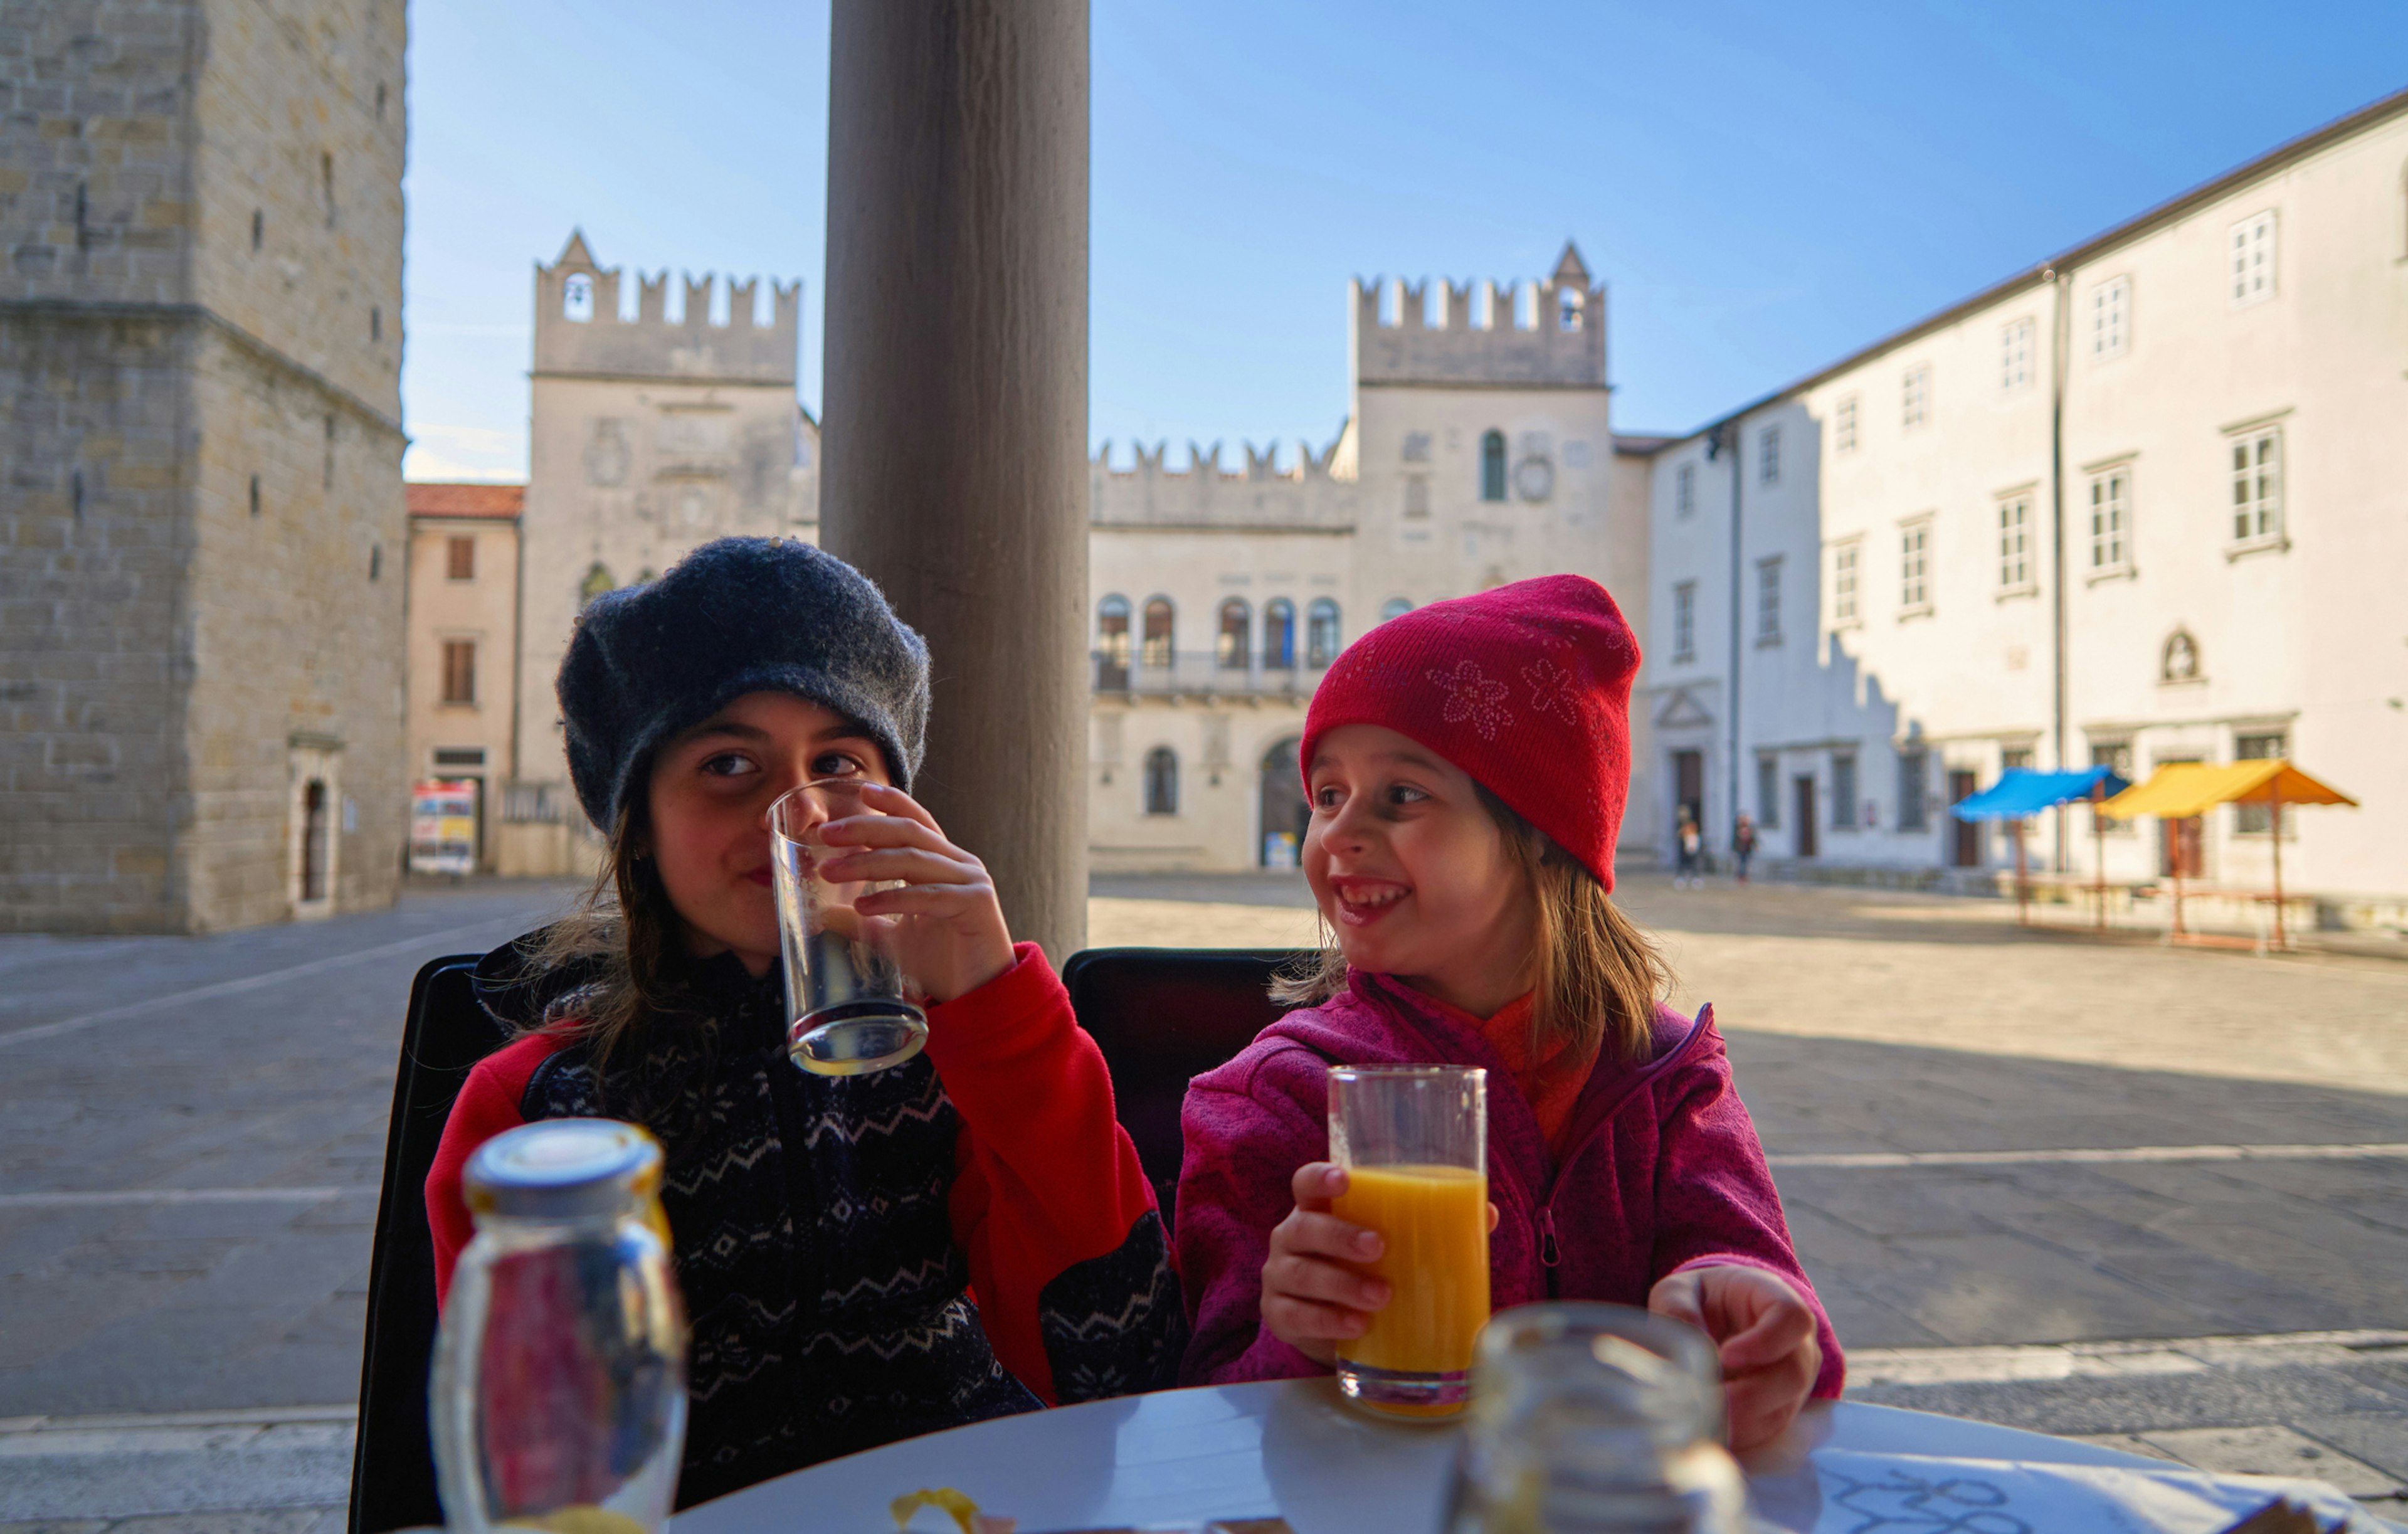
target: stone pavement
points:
(2112, 1190)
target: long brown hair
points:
(1597, 977)
(617, 938)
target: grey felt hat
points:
(737, 615)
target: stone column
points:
(956, 437)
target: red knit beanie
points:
(1526, 687)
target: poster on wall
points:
(443, 827)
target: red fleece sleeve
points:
(487, 1105)
(1046, 1177)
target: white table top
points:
(1288, 1448)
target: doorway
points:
(2182, 847)
(2182, 844)
(1689, 791)
(313, 841)
(1285, 811)
(1802, 789)
(1966, 851)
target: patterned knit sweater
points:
(866, 1258)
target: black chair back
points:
(393, 1468)
(1162, 1016)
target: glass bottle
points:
(559, 1391)
(1594, 1419)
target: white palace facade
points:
(2144, 503)
(2147, 502)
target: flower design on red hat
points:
(1551, 691)
(1472, 696)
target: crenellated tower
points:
(1539, 334)
(578, 327)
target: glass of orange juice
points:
(1413, 1140)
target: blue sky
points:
(1763, 187)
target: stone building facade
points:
(201, 591)
(462, 637)
(2147, 502)
(649, 435)
(1480, 450)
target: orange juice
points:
(1434, 1221)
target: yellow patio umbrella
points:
(2181, 789)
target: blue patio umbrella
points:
(2021, 793)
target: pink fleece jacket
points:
(1663, 1172)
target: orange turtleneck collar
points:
(1549, 1077)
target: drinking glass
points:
(851, 1004)
(1589, 1418)
(1414, 1142)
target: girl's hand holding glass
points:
(1312, 1300)
(1764, 1332)
(949, 930)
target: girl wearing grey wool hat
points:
(830, 1232)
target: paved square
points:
(2035, 1175)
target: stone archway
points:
(1283, 811)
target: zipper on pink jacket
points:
(1550, 1251)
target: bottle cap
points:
(563, 1169)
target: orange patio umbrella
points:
(2181, 789)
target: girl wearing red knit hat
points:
(1466, 765)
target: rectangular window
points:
(2015, 544)
(1417, 496)
(1843, 789)
(1768, 601)
(460, 558)
(2111, 521)
(2015, 357)
(1767, 792)
(1915, 569)
(1843, 426)
(1685, 490)
(1684, 620)
(2110, 306)
(2257, 486)
(1768, 455)
(2255, 820)
(1915, 397)
(1843, 584)
(2116, 757)
(1914, 772)
(459, 670)
(2253, 260)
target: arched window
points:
(1321, 632)
(1568, 310)
(1278, 635)
(1286, 816)
(1230, 645)
(577, 298)
(1156, 652)
(1492, 466)
(1161, 782)
(596, 581)
(1112, 644)
(1395, 607)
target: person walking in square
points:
(1689, 851)
(1743, 844)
